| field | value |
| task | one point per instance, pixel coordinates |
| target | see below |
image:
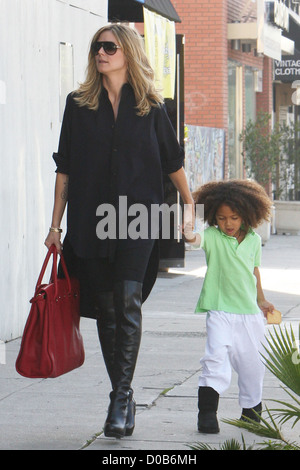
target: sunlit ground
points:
(281, 280)
(276, 280)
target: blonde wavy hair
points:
(139, 71)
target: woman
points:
(116, 141)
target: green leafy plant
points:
(261, 147)
(273, 155)
(283, 361)
(230, 444)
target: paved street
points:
(68, 413)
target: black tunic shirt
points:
(107, 158)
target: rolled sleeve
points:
(170, 166)
(62, 157)
(172, 154)
(62, 164)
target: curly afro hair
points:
(247, 198)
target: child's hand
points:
(266, 307)
(189, 236)
(192, 238)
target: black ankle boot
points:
(128, 301)
(106, 325)
(250, 413)
(208, 400)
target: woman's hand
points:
(53, 238)
(60, 201)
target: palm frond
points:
(230, 444)
(275, 445)
(264, 428)
(291, 411)
(200, 446)
(283, 360)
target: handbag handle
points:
(53, 251)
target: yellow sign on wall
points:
(160, 48)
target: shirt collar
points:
(126, 87)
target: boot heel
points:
(130, 421)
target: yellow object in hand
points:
(274, 317)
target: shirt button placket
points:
(114, 167)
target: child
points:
(231, 295)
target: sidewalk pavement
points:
(68, 413)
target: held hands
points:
(188, 225)
(191, 237)
(188, 222)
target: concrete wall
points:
(30, 35)
(287, 217)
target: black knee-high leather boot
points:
(106, 325)
(127, 302)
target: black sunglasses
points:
(109, 47)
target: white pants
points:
(234, 340)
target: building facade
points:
(230, 50)
(241, 56)
(43, 56)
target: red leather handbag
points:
(52, 344)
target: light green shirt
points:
(230, 283)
